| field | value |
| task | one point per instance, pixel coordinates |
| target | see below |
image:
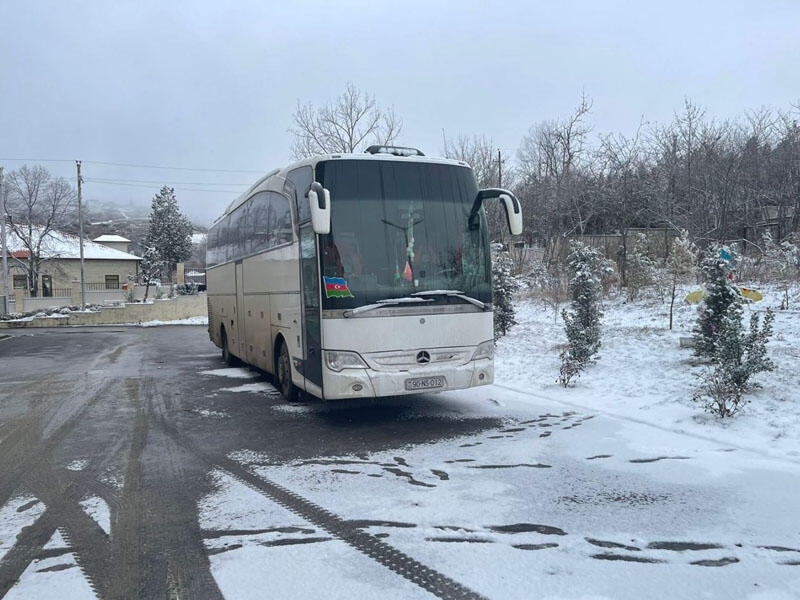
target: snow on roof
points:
(62, 245)
(108, 238)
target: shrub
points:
(582, 320)
(737, 357)
(503, 287)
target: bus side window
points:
(280, 220)
(298, 182)
(258, 218)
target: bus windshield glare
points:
(401, 228)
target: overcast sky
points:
(213, 85)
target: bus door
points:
(241, 347)
(312, 337)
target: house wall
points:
(95, 270)
(67, 271)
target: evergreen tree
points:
(168, 231)
(582, 321)
(503, 287)
(720, 336)
(738, 356)
(722, 299)
(151, 267)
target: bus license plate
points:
(425, 383)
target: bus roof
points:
(274, 180)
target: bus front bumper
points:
(369, 383)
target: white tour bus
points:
(358, 275)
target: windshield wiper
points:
(454, 294)
(384, 303)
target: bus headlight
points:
(336, 360)
(484, 350)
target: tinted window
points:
(263, 221)
(299, 182)
(399, 228)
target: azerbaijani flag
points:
(336, 287)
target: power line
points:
(98, 162)
(130, 165)
(159, 182)
(152, 186)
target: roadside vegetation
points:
(727, 354)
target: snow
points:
(98, 510)
(62, 245)
(618, 487)
(19, 512)
(202, 320)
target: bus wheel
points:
(284, 374)
(229, 358)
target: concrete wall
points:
(181, 307)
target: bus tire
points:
(229, 358)
(283, 374)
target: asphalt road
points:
(126, 405)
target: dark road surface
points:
(128, 404)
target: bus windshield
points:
(398, 229)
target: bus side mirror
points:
(513, 213)
(510, 204)
(319, 199)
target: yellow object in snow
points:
(751, 294)
(696, 296)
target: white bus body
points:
(387, 292)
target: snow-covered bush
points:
(738, 356)
(640, 269)
(735, 355)
(782, 262)
(550, 284)
(582, 320)
(503, 287)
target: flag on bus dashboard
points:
(336, 287)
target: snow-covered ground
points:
(643, 374)
(618, 487)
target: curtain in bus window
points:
(211, 247)
(258, 218)
(298, 182)
(280, 219)
(237, 220)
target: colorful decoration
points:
(336, 287)
(408, 275)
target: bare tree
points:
(627, 187)
(479, 152)
(343, 125)
(788, 179)
(37, 204)
(553, 161)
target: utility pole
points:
(80, 229)
(3, 239)
(499, 169)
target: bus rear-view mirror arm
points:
(319, 199)
(510, 204)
